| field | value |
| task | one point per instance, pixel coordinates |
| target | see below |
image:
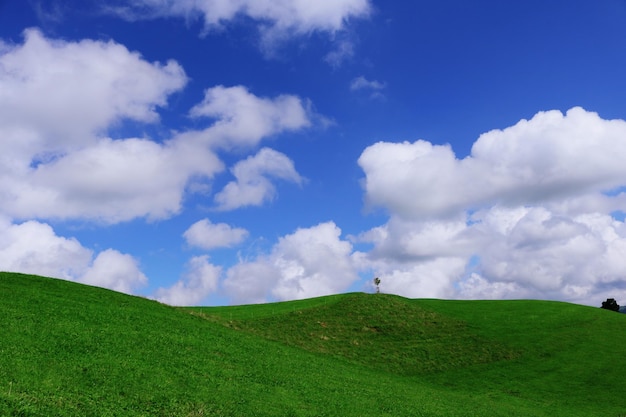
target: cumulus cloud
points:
(198, 282)
(206, 235)
(431, 278)
(54, 94)
(251, 282)
(549, 158)
(243, 119)
(252, 186)
(417, 258)
(57, 101)
(34, 248)
(110, 181)
(551, 254)
(276, 20)
(56, 98)
(310, 262)
(527, 214)
(115, 270)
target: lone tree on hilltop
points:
(377, 283)
(610, 304)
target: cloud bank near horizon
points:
(535, 211)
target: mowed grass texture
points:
(73, 350)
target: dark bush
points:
(610, 304)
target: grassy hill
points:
(73, 350)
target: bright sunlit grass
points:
(73, 350)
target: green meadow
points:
(73, 350)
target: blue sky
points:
(212, 152)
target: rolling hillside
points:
(72, 350)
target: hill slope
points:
(564, 354)
(70, 349)
(383, 332)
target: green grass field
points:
(72, 350)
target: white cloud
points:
(206, 235)
(521, 252)
(110, 181)
(313, 262)
(251, 282)
(252, 186)
(57, 100)
(275, 19)
(426, 279)
(552, 255)
(476, 287)
(374, 87)
(198, 282)
(417, 259)
(114, 270)
(54, 94)
(308, 263)
(243, 119)
(552, 157)
(34, 248)
(405, 240)
(361, 83)
(344, 50)
(527, 214)
(49, 13)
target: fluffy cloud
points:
(549, 158)
(206, 235)
(251, 282)
(57, 100)
(551, 254)
(110, 181)
(276, 19)
(114, 270)
(34, 248)
(198, 282)
(308, 263)
(527, 214)
(252, 187)
(427, 279)
(54, 94)
(417, 259)
(513, 252)
(243, 119)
